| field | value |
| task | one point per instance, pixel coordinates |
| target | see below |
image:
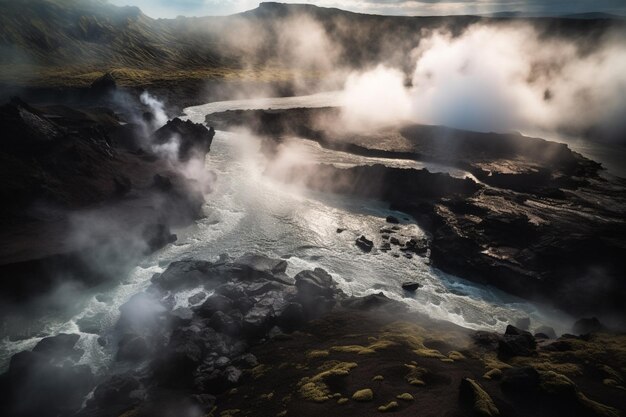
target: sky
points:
(173, 8)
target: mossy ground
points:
(83, 76)
(316, 372)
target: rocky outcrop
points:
(533, 224)
(190, 138)
(46, 381)
(68, 190)
(203, 351)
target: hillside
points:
(71, 42)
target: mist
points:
(492, 78)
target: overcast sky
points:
(173, 8)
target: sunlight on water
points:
(249, 212)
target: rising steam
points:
(499, 79)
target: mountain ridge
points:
(67, 42)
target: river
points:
(249, 212)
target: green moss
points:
(597, 408)
(259, 370)
(553, 383)
(363, 395)
(378, 378)
(375, 346)
(313, 354)
(391, 406)
(480, 401)
(342, 401)
(456, 356)
(315, 392)
(267, 396)
(357, 349)
(315, 389)
(493, 374)
(429, 353)
(405, 396)
(416, 375)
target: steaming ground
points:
(247, 211)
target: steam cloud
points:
(499, 79)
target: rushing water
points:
(249, 212)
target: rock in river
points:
(364, 244)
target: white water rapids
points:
(249, 212)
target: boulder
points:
(475, 398)
(193, 139)
(197, 298)
(314, 283)
(46, 382)
(115, 390)
(364, 244)
(410, 286)
(419, 247)
(260, 265)
(291, 317)
(547, 331)
(392, 220)
(374, 302)
(214, 303)
(258, 320)
(588, 325)
(516, 380)
(225, 323)
(59, 348)
(184, 274)
(516, 342)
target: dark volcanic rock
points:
(254, 266)
(184, 274)
(588, 325)
(214, 304)
(193, 139)
(314, 283)
(374, 302)
(103, 86)
(46, 381)
(516, 342)
(364, 244)
(547, 331)
(25, 129)
(392, 219)
(225, 323)
(411, 286)
(115, 392)
(59, 347)
(517, 380)
(476, 399)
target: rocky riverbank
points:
(251, 340)
(542, 222)
(85, 184)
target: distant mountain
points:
(93, 32)
(582, 16)
(43, 41)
